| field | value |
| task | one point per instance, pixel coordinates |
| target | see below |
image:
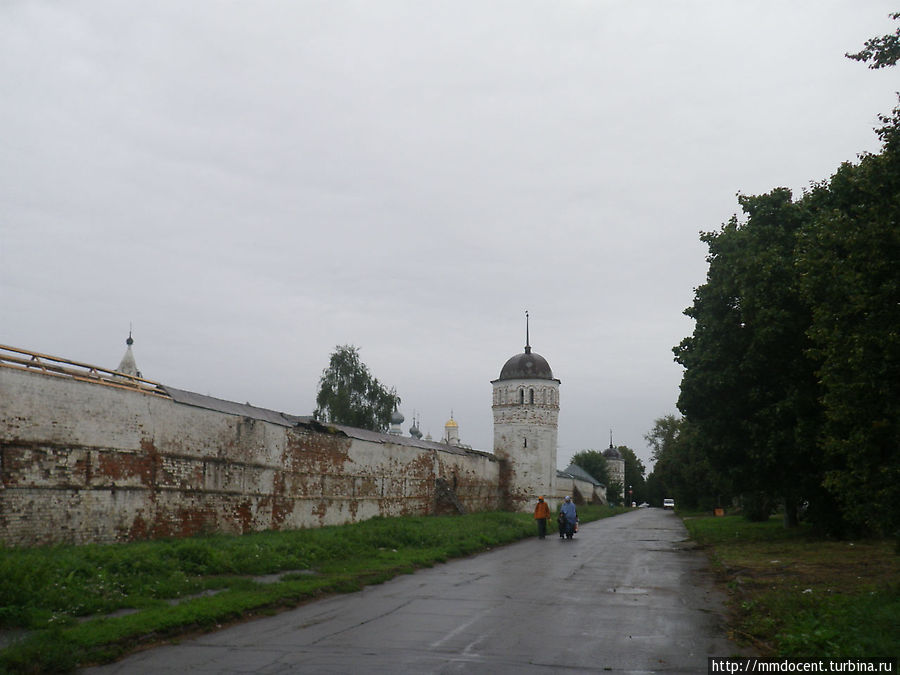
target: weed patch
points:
(793, 594)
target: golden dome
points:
(451, 423)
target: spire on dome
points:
(128, 365)
(612, 452)
(528, 365)
(527, 338)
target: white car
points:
(669, 504)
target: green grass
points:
(63, 596)
(793, 594)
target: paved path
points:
(625, 596)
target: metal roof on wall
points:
(232, 408)
(575, 471)
(285, 420)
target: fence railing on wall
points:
(23, 359)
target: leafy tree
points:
(792, 374)
(663, 478)
(594, 463)
(614, 493)
(681, 468)
(662, 436)
(349, 394)
(634, 474)
(749, 388)
(880, 52)
(849, 266)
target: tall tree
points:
(634, 475)
(681, 468)
(662, 436)
(749, 388)
(594, 463)
(792, 374)
(350, 395)
(849, 265)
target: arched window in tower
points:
(531, 396)
(521, 396)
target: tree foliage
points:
(792, 374)
(681, 469)
(350, 395)
(594, 463)
(880, 52)
(663, 436)
(634, 474)
(848, 260)
(749, 388)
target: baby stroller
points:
(566, 529)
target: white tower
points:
(526, 420)
(615, 467)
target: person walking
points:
(568, 510)
(541, 514)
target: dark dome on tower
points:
(526, 366)
(612, 453)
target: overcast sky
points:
(250, 184)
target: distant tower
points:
(128, 365)
(615, 466)
(451, 431)
(396, 420)
(526, 420)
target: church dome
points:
(612, 453)
(397, 417)
(526, 366)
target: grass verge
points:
(77, 605)
(796, 595)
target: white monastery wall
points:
(83, 462)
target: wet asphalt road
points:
(627, 595)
